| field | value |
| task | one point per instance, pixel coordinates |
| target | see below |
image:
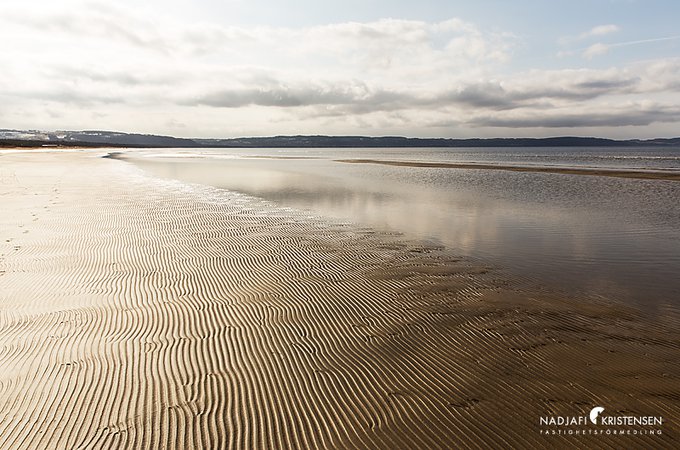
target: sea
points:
(613, 238)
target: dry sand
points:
(148, 314)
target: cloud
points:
(600, 30)
(119, 55)
(354, 97)
(631, 115)
(595, 50)
(383, 43)
(601, 49)
(92, 20)
(597, 31)
(662, 75)
(281, 96)
(313, 98)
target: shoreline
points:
(617, 173)
(218, 320)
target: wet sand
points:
(137, 312)
(636, 174)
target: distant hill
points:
(396, 141)
(35, 138)
(89, 139)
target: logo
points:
(596, 411)
(599, 423)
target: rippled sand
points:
(144, 313)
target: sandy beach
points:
(144, 313)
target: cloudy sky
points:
(209, 68)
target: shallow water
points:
(617, 238)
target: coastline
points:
(142, 313)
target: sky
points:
(432, 68)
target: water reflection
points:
(572, 232)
